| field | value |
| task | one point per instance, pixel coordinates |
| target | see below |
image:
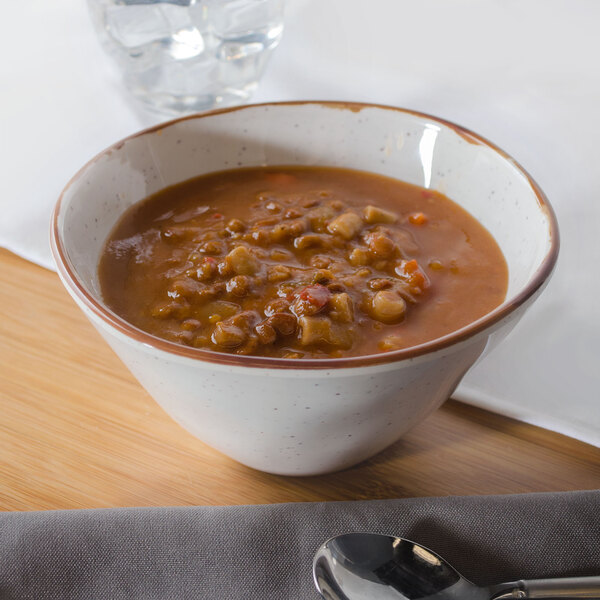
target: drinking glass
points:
(185, 56)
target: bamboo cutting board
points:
(77, 431)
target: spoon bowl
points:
(356, 565)
(361, 566)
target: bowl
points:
(296, 416)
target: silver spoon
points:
(369, 566)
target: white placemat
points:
(524, 74)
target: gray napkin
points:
(265, 552)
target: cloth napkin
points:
(523, 74)
(265, 552)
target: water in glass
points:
(183, 56)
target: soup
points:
(300, 262)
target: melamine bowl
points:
(303, 417)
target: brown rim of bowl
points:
(500, 312)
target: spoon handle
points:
(570, 587)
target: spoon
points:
(369, 566)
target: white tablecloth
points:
(525, 74)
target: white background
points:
(523, 73)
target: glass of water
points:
(185, 56)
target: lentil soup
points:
(300, 262)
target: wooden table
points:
(77, 431)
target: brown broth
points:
(168, 269)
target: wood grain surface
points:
(77, 431)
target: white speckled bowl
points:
(304, 417)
